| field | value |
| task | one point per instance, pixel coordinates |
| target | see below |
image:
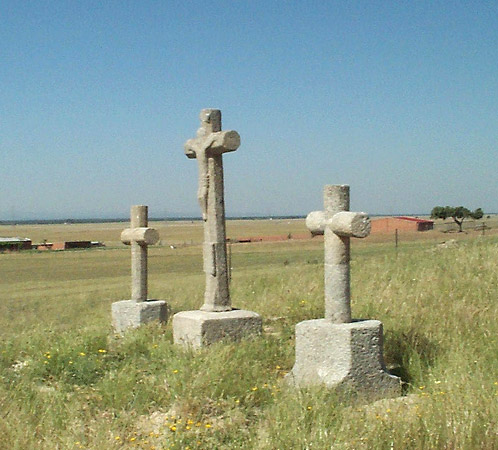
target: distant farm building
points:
(403, 223)
(67, 245)
(14, 244)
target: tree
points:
(458, 214)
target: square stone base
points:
(200, 328)
(347, 357)
(131, 314)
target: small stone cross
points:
(208, 147)
(338, 225)
(139, 236)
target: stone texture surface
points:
(315, 222)
(138, 236)
(131, 314)
(347, 357)
(337, 352)
(196, 329)
(208, 147)
(216, 320)
(350, 224)
(143, 236)
(337, 253)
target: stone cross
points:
(208, 147)
(338, 225)
(336, 351)
(139, 236)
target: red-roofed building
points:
(403, 223)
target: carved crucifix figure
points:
(208, 147)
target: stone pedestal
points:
(346, 356)
(131, 314)
(199, 328)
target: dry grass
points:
(65, 382)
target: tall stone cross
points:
(139, 236)
(338, 225)
(208, 147)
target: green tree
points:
(457, 213)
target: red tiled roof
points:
(414, 219)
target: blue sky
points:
(399, 99)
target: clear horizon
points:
(398, 100)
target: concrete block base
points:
(200, 328)
(131, 314)
(347, 357)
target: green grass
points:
(66, 382)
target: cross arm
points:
(316, 221)
(142, 236)
(350, 224)
(215, 143)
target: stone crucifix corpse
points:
(208, 147)
(336, 351)
(216, 320)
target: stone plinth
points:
(131, 314)
(199, 328)
(346, 357)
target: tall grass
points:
(66, 382)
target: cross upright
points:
(139, 236)
(208, 147)
(338, 225)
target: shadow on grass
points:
(409, 354)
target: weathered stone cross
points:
(338, 225)
(216, 320)
(208, 147)
(336, 351)
(139, 310)
(139, 236)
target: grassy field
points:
(66, 382)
